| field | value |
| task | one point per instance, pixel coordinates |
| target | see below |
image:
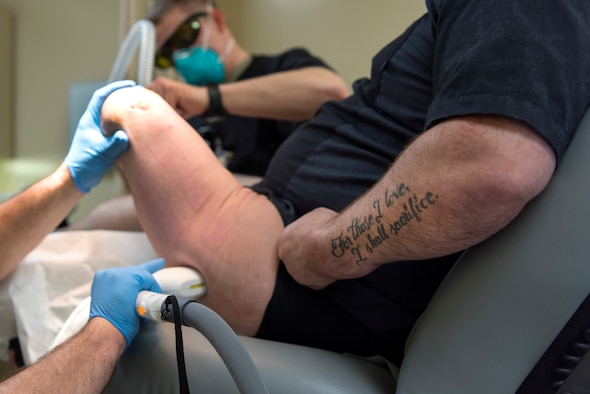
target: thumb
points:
(118, 143)
(153, 265)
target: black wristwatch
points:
(216, 109)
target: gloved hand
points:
(115, 290)
(91, 153)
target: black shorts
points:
(351, 316)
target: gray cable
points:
(226, 343)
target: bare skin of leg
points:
(194, 212)
(119, 213)
(115, 214)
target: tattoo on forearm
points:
(366, 234)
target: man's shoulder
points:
(290, 59)
(294, 52)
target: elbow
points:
(326, 86)
(335, 89)
(329, 86)
(505, 193)
(495, 195)
(504, 162)
(512, 183)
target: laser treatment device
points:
(181, 281)
(181, 288)
(180, 306)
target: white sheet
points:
(55, 277)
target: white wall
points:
(6, 82)
(58, 42)
(346, 33)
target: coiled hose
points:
(143, 34)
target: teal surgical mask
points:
(199, 65)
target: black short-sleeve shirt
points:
(524, 59)
(253, 141)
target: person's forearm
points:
(289, 95)
(83, 364)
(29, 216)
(452, 188)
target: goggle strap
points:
(228, 48)
(207, 32)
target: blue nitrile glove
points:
(91, 153)
(115, 290)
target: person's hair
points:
(159, 8)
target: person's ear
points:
(219, 20)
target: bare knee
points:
(138, 111)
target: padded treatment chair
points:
(506, 300)
(149, 366)
(489, 323)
